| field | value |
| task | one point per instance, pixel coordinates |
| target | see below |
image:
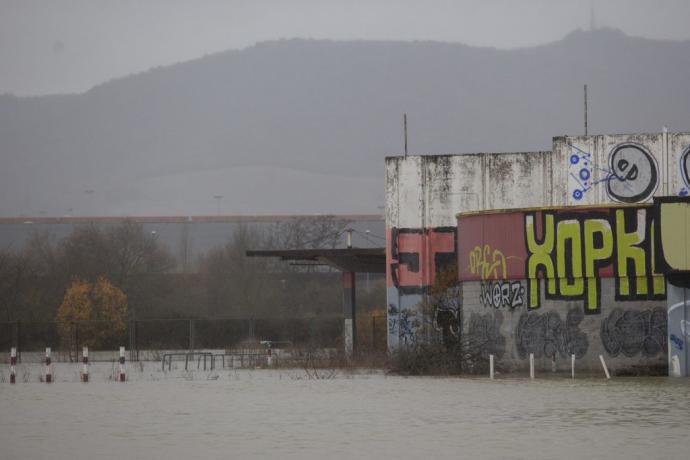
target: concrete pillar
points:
(349, 307)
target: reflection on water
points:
(272, 413)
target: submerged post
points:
(603, 364)
(531, 365)
(572, 366)
(13, 363)
(122, 364)
(85, 364)
(491, 367)
(349, 327)
(49, 375)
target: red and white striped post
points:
(85, 361)
(13, 363)
(122, 364)
(49, 375)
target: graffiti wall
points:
(582, 281)
(622, 168)
(423, 194)
(595, 250)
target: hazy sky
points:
(57, 46)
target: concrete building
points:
(581, 261)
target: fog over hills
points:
(303, 126)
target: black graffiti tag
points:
(632, 332)
(484, 333)
(547, 334)
(501, 294)
(633, 173)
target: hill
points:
(300, 126)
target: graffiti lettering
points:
(485, 334)
(633, 332)
(486, 263)
(447, 322)
(502, 294)
(633, 173)
(630, 177)
(411, 251)
(546, 335)
(576, 249)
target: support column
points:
(349, 308)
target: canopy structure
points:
(365, 260)
(349, 261)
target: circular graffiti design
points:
(633, 173)
(577, 194)
(685, 167)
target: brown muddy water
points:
(284, 414)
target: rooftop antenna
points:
(585, 110)
(592, 19)
(405, 131)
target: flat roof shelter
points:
(349, 261)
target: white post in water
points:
(531, 365)
(122, 364)
(85, 365)
(491, 367)
(606, 370)
(13, 363)
(49, 375)
(572, 366)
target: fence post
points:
(49, 375)
(122, 364)
(13, 363)
(373, 333)
(572, 366)
(191, 335)
(85, 362)
(531, 365)
(606, 369)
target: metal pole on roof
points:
(585, 110)
(405, 131)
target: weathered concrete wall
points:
(424, 193)
(630, 168)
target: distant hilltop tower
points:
(592, 19)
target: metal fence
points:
(67, 339)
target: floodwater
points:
(285, 414)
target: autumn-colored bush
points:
(91, 314)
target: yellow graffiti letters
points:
(569, 263)
(598, 249)
(486, 263)
(628, 249)
(539, 256)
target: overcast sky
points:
(59, 46)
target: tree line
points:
(38, 279)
